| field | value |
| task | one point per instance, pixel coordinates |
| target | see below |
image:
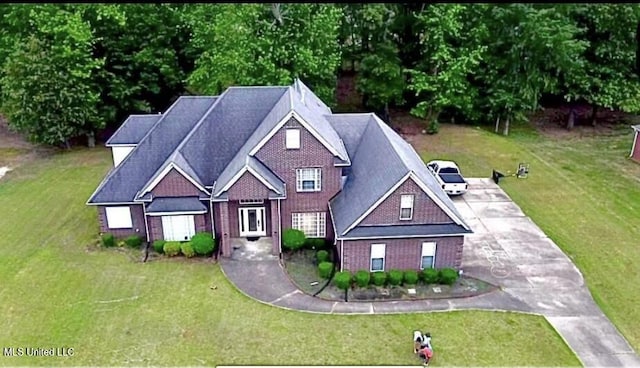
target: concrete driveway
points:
(508, 249)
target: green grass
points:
(584, 193)
(58, 289)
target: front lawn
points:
(58, 289)
(583, 192)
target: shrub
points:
(171, 248)
(187, 249)
(325, 268)
(203, 243)
(433, 127)
(108, 240)
(322, 256)
(430, 276)
(293, 239)
(158, 246)
(133, 241)
(395, 277)
(362, 278)
(448, 276)
(411, 277)
(315, 243)
(342, 280)
(378, 278)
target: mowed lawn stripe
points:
(59, 289)
(583, 192)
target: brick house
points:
(255, 161)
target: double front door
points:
(252, 221)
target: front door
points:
(251, 221)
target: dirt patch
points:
(15, 150)
(552, 121)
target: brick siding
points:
(137, 220)
(284, 162)
(234, 217)
(156, 231)
(402, 254)
(175, 185)
(248, 187)
(425, 210)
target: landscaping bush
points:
(203, 243)
(362, 278)
(315, 243)
(325, 268)
(171, 248)
(342, 280)
(108, 240)
(448, 276)
(378, 278)
(133, 241)
(187, 249)
(410, 277)
(293, 239)
(322, 256)
(395, 277)
(430, 276)
(158, 246)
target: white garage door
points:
(178, 228)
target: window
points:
(308, 180)
(292, 138)
(428, 259)
(406, 207)
(119, 217)
(377, 257)
(312, 224)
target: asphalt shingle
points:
(176, 204)
(133, 129)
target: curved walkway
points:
(506, 249)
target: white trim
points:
(411, 207)
(119, 154)
(383, 246)
(239, 174)
(121, 145)
(422, 254)
(178, 213)
(316, 174)
(250, 202)
(377, 203)
(400, 236)
(109, 203)
(635, 139)
(261, 226)
(149, 187)
(279, 227)
(438, 202)
(287, 117)
(146, 226)
(213, 226)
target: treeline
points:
(70, 70)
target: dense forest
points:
(71, 70)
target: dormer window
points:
(292, 139)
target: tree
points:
(607, 74)
(248, 44)
(47, 81)
(449, 56)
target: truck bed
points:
(452, 178)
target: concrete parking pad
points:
(507, 249)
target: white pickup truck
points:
(448, 175)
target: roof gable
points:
(124, 181)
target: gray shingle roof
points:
(218, 141)
(266, 174)
(350, 128)
(405, 230)
(123, 182)
(381, 160)
(133, 129)
(176, 204)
